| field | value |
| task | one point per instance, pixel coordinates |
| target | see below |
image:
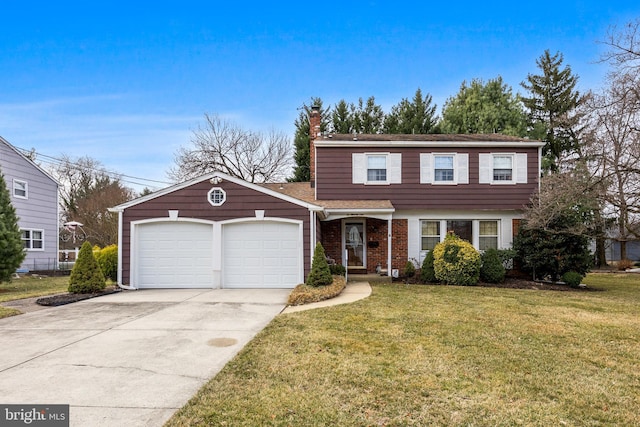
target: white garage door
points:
(261, 254)
(174, 255)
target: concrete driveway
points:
(131, 358)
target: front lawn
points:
(440, 355)
(28, 287)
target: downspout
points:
(389, 235)
(120, 285)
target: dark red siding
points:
(334, 181)
(191, 202)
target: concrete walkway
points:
(354, 291)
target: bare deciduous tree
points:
(624, 46)
(221, 145)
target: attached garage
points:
(262, 254)
(174, 254)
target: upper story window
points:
(33, 240)
(216, 196)
(20, 189)
(444, 168)
(503, 168)
(376, 168)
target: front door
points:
(354, 243)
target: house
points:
(374, 202)
(34, 195)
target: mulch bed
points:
(63, 299)
(519, 283)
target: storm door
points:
(354, 239)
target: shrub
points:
(320, 274)
(623, 264)
(409, 269)
(337, 269)
(506, 257)
(86, 276)
(492, 270)
(107, 259)
(572, 278)
(304, 294)
(456, 261)
(427, 273)
(12, 251)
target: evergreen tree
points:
(367, 117)
(552, 106)
(86, 276)
(320, 274)
(341, 118)
(417, 116)
(302, 171)
(11, 247)
(484, 108)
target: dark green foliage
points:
(337, 269)
(427, 272)
(320, 274)
(409, 270)
(506, 257)
(551, 252)
(11, 247)
(572, 278)
(86, 276)
(492, 270)
(302, 171)
(107, 259)
(417, 116)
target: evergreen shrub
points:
(320, 274)
(107, 259)
(572, 278)
(409, 270)
(456, 261)
(492, 270)
(86, 276)
(337, 269)
(11, 247)
(427, 272)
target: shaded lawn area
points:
(440, 355)
(28, 287)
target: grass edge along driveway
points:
(440, 355)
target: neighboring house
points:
(374, 202)
(34, 195)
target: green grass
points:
(440, 355)
(28, 287)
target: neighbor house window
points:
(488, 235)
(217, 196)
(20, 189)
(33, 239)
(376, 168)
(430, 232)
(502, 168)
(461, 228)
(443, 168)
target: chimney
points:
(314, 133)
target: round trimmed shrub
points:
(107, 259)
(427, 272)
(492, 270)
(337, 269)
(572, 278)
(456, 261)
(320, 274)
(86, 276)
(409, 270)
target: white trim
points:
(45, 173)
(362, 221)
(31, 239)
(387, 180)
(428, 168)
(519, 168)
(224, 196)
(431, 144)
(25, 189)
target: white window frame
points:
(454, 170)
(460, 168)
(518, 168)
(385, 157)
(219, 203)
(475, 231)
(360, 166)
(481, 236)
(20, 185)
(422, 236)
(30, 239)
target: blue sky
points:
(126, 84)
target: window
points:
(461, 228)
(503, 168)
(377, 168)
(443, 168)
(33, 240)
(20, 189)
(430, 232)
(217, 196)
(488, 235)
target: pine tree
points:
(302, 171)
(552, 105)
(11, 247)
(417, 116)
(86, 276)
(320, 274)
(341, 120)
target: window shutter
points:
(521, 168)
(426, 168)
(463, 168)
(394, 167)
(486, 168)
(359, 168)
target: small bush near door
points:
(86, 276)
(492, 270)
(320, 274)
(456, 261)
